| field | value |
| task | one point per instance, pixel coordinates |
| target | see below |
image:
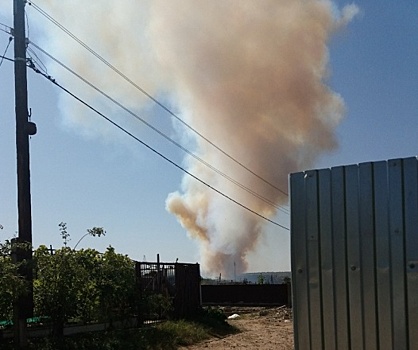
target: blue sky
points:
(108, 180)
(374, 68)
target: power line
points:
(5, 28)
(143, 91)
(33, 67)
(136, 116)
(160, 132)
(7, 58)
(5, 51)
(36, 59)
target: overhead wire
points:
(5, 28)
(143, 91)
(7, 58)
(27, 25)
(35, 69)
(32, 60)
(5, 51)
(162, 134)
(9, 30)
(34, 57)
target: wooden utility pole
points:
(24, 307)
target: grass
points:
(168, 335)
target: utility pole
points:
(23, 308)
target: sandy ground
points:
(260, 328)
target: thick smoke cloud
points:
(249, 75)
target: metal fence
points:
(157, 277)
(177, 281)
(354, 243)
(246, 294)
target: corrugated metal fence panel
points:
(381, 219)
(397, 253)
(411, 242)
(327, 258)
(299, 265)
(355, 256)
(313, 267)
(340, 258)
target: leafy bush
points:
(69, 285)
(156, 306)
(12, 285)
(84, 286)
(116, 288)
(88, 286)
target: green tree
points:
(12, 284)
(260, 279)
(118, 293)
(56, 286)
(88, 299)
(82, 285)
(65, 287)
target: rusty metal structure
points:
(354, 248)
(177, 281)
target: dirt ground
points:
(261, 328)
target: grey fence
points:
(354, 243)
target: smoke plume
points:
(249, 75)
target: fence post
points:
(138, 281)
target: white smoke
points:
(249, 75)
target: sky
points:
(87, 173)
